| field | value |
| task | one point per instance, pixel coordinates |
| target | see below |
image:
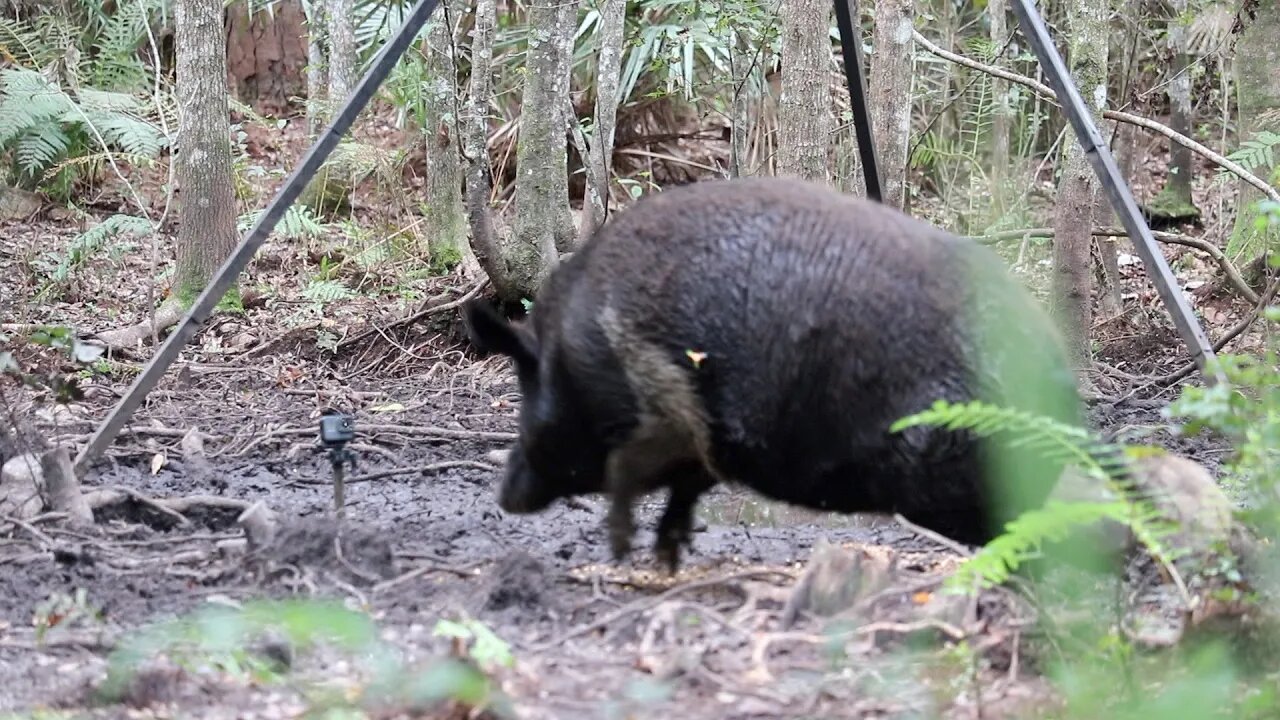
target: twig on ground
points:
(430, 307)
(646, 604)
(931, 535)
(465, 571)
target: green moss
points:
(1173, 204)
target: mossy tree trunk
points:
(342, 51)
(446, 221)
(1087, 22)
(510, 265)
(998, 12)
(613, 15)
(1174, 201)
(207, 205)
(543, 221)
(317, 69)
(890, 94)
(804, 110)
(1257, 77)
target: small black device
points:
(336, 430)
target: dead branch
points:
(1234, 277)
(430, 307)
(1229, 165)
(1228, 336)
(647, 604)
(165, 317)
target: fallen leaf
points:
(157, 462)
(388, 408)
(921, 597)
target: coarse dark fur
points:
(768, 332)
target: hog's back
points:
(807, 322)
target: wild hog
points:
(768, 332)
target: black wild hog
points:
(768, 332)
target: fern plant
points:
(1057, 443)
(90, 243)
(1254, 153)
(45, 131)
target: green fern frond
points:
(24, 45)
(39, 147)
(90, 242)
(327, 291)
(298, 223)
(133, 136)
(1255, 153)
(27, 99)
(115, 62)
(1054, 442)
(1024, 536)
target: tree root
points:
(165, 317)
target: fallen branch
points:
(1234, 277)
(430, 307)
(164, 317)
(1228, 336)
(1183, 140)
(649, 603)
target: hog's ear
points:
(491, 332)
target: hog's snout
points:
(520, 491)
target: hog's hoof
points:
(619, 540)
(667, 550)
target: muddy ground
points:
(424, 540)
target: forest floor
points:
(423, 540)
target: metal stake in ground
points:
(252, 240)
(1117, 190)
(855, 79)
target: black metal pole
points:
(855, 79)
(252, 240)
(1114, 185)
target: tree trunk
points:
(207, 215)
(1078, 187)
(542, 186)
(266, 54)
(613, 17)
(1174, 203)
(506, 264)
(890, 91)
(446, 223)
(317, 70)
(998, 10)
(804, 110)
(740, 112)
(342, 51)
(1258, 100)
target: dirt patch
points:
(424, 540)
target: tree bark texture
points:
(446, 220)
(207, 215)
(890, 94)
(1174, 200)
(267, 55)
(1257, 58)
(805, 120)
(998, 9)
(740, 110)
(317, 69)
(503, 262)
(342, 50)
(613, 15)
(542, 185)
(1078, 187)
